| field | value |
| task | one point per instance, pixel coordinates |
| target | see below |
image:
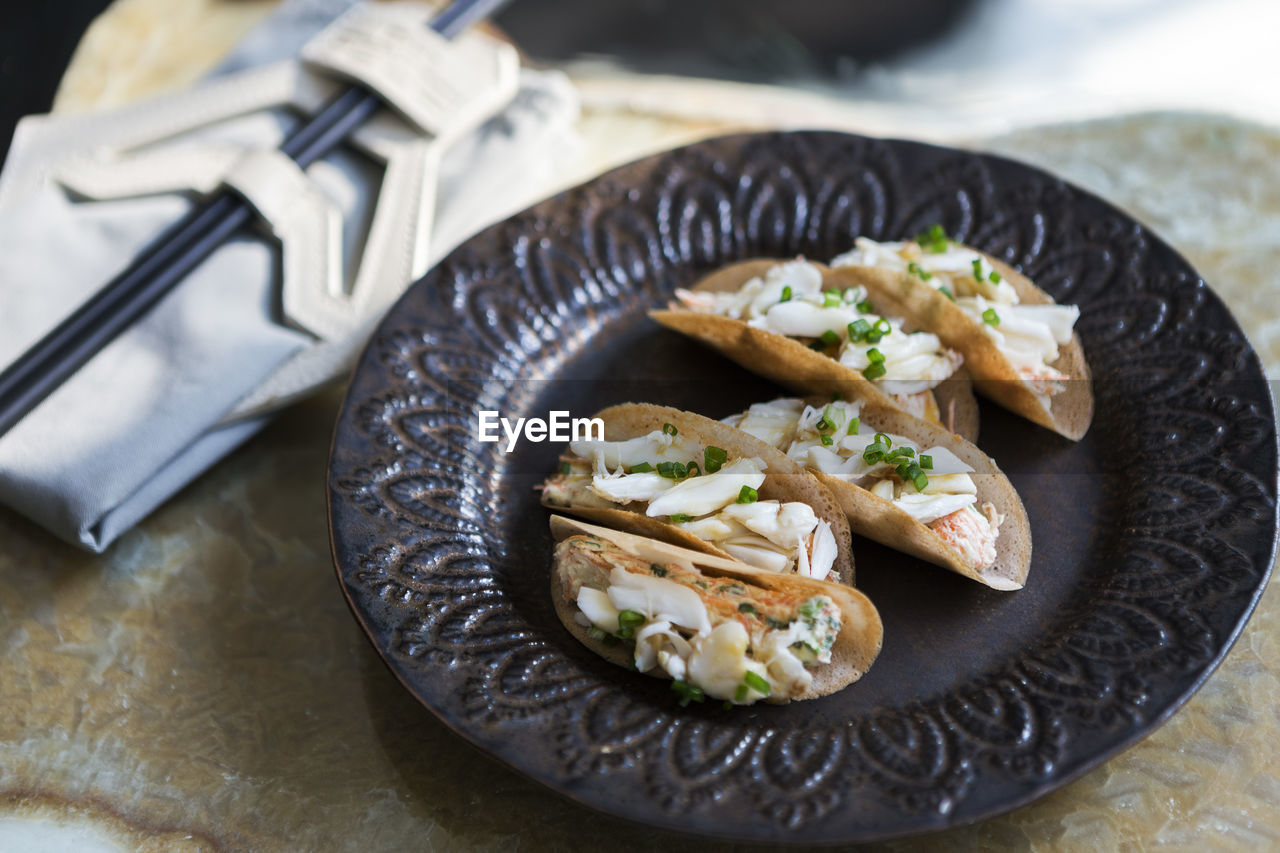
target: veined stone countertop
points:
(203, 686)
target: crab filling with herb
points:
(700, 490)
(1028, 336)
(714, 636)
(932, 485)
(789, 300)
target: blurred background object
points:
(752, 40)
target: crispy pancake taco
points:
(717, 627)
(905, 483)
(1017, 343)
(798, 324)
(697, 483)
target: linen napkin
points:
(153, 410)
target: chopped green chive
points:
(827, 440)
(625, 633)
(679, 518)
(756, 683)
(694, 470)
(669, 429)
(853, 426)
(830, 298)
(864, 307)
(829, 338)
(565, 468)
(920, 480)
(748, 495)
(977, 270)
(786, 294)
(746, 607)
(874, 371)
(990, 317)
(916, 270)
(673, 470)
(994, 278)
(595, 633)
(858, 330)
(687, 692)
(641, 468)
(741, 693)
(884, 439)
(926, 461)
(883, 327)
(631, 618)
(875, 356)
(933, 239)
(713, 458)
(658, 571)
(906, 451)
(946, 291)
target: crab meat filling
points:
(1027, 335)
(789, 300)
(785, 537)
(732, 640)
(832, 439)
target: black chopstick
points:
(164, 263)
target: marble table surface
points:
(202, 686)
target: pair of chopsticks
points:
(183, 247)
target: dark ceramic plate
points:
(1153, 536)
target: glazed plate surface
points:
(1153, 537)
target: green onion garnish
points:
(712, 458)
(920, 480)
(926, 461)
(875, 356)
(640, 468)
(669, 429)
(977, 270)
(853, 426)
(883, 327)
(756, 683)
(595, 633)
(827, 440)
(741, 694)
(748, 495)
(565, 468)
(906, 451)
(884, 439)
(933, 239)
(679, 518)
(786, 294)
(874, 336)
(916, 270)
(746, 607)
(994, 278)
(858, 330)
(864, 307)
(990, 317)
(693, 470)
(874, 371)
(829, 338)
(946, 291)
(631, 618)
(830, 298)
(687, 692)
(673, 470)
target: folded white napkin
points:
(160, 404)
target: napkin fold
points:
(150, 412)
